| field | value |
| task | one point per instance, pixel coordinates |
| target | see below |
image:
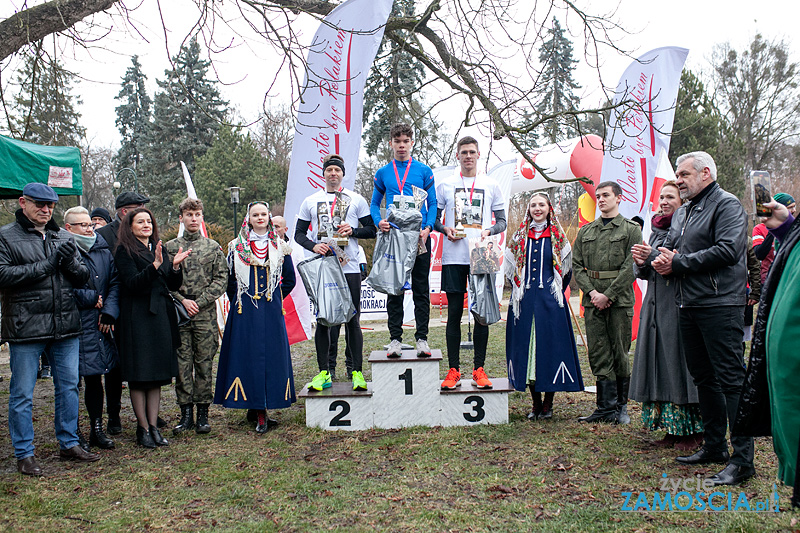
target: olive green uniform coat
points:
(205, 276)
(604, 248)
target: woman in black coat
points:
(98, 302)
(147, 328)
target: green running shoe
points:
(321, 381)
(358, 381)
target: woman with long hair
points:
(660, 378)
(147, 326)
(540, 344)
(255, 365)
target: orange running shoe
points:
(480, 380)
(452, 380)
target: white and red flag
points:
(329, 119)
(639, 134)
(640, 131)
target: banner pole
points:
(575, 319)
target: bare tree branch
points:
(31, 25)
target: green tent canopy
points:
(22, 163)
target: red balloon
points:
(586, 160)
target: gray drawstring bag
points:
(395, 252)
(327, 289)
(483, 303)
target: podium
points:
(405, 391)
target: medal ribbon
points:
(405, 176)
(472, 191)
(334, 202)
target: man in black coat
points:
(125, 202)
(39, 267)
(705, 253)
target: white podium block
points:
(406, 389)
(339, 408)
(468, 405)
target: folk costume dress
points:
(255, 365)
(660, 377)
(540, 344)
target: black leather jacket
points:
(754, 417)
(37, 298)
(710, 234)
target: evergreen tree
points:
(555, 93)
(133, 121)
(187, 113)
(234, 160)
(44, 108)
(556, 85)
(392, 95)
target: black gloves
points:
(106, 319)
(66, 251)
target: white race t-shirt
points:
(478, 196)
(325, 214)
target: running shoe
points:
(358, 381)
(423, 350)
(321, 381)
(395, 349)
(480, 380)
(452, 380)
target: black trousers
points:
(420, 288)
(355, 339)
(333, 351)
(712, 341)
(455, 310)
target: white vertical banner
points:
(329, 119)
(639, 132)
(332, 97)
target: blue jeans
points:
(63, 357)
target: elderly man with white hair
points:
(705, 253)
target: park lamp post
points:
(117, 186)
(135, 180)
(235, 202)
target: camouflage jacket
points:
(606, 248)
(205, 271)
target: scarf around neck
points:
(516, 257)
(241, 257)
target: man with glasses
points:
(39, 268)
(125, 202)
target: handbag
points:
(180, 311)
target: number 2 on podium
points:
(407, 377)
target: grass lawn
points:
(545, 476)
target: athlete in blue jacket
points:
(398, 178)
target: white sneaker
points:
(423, 350)
(395, 348)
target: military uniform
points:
(603, 261)
(205, 276)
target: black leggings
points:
(355, 338)
(455, 310)
(113, 392)
(93, 396)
